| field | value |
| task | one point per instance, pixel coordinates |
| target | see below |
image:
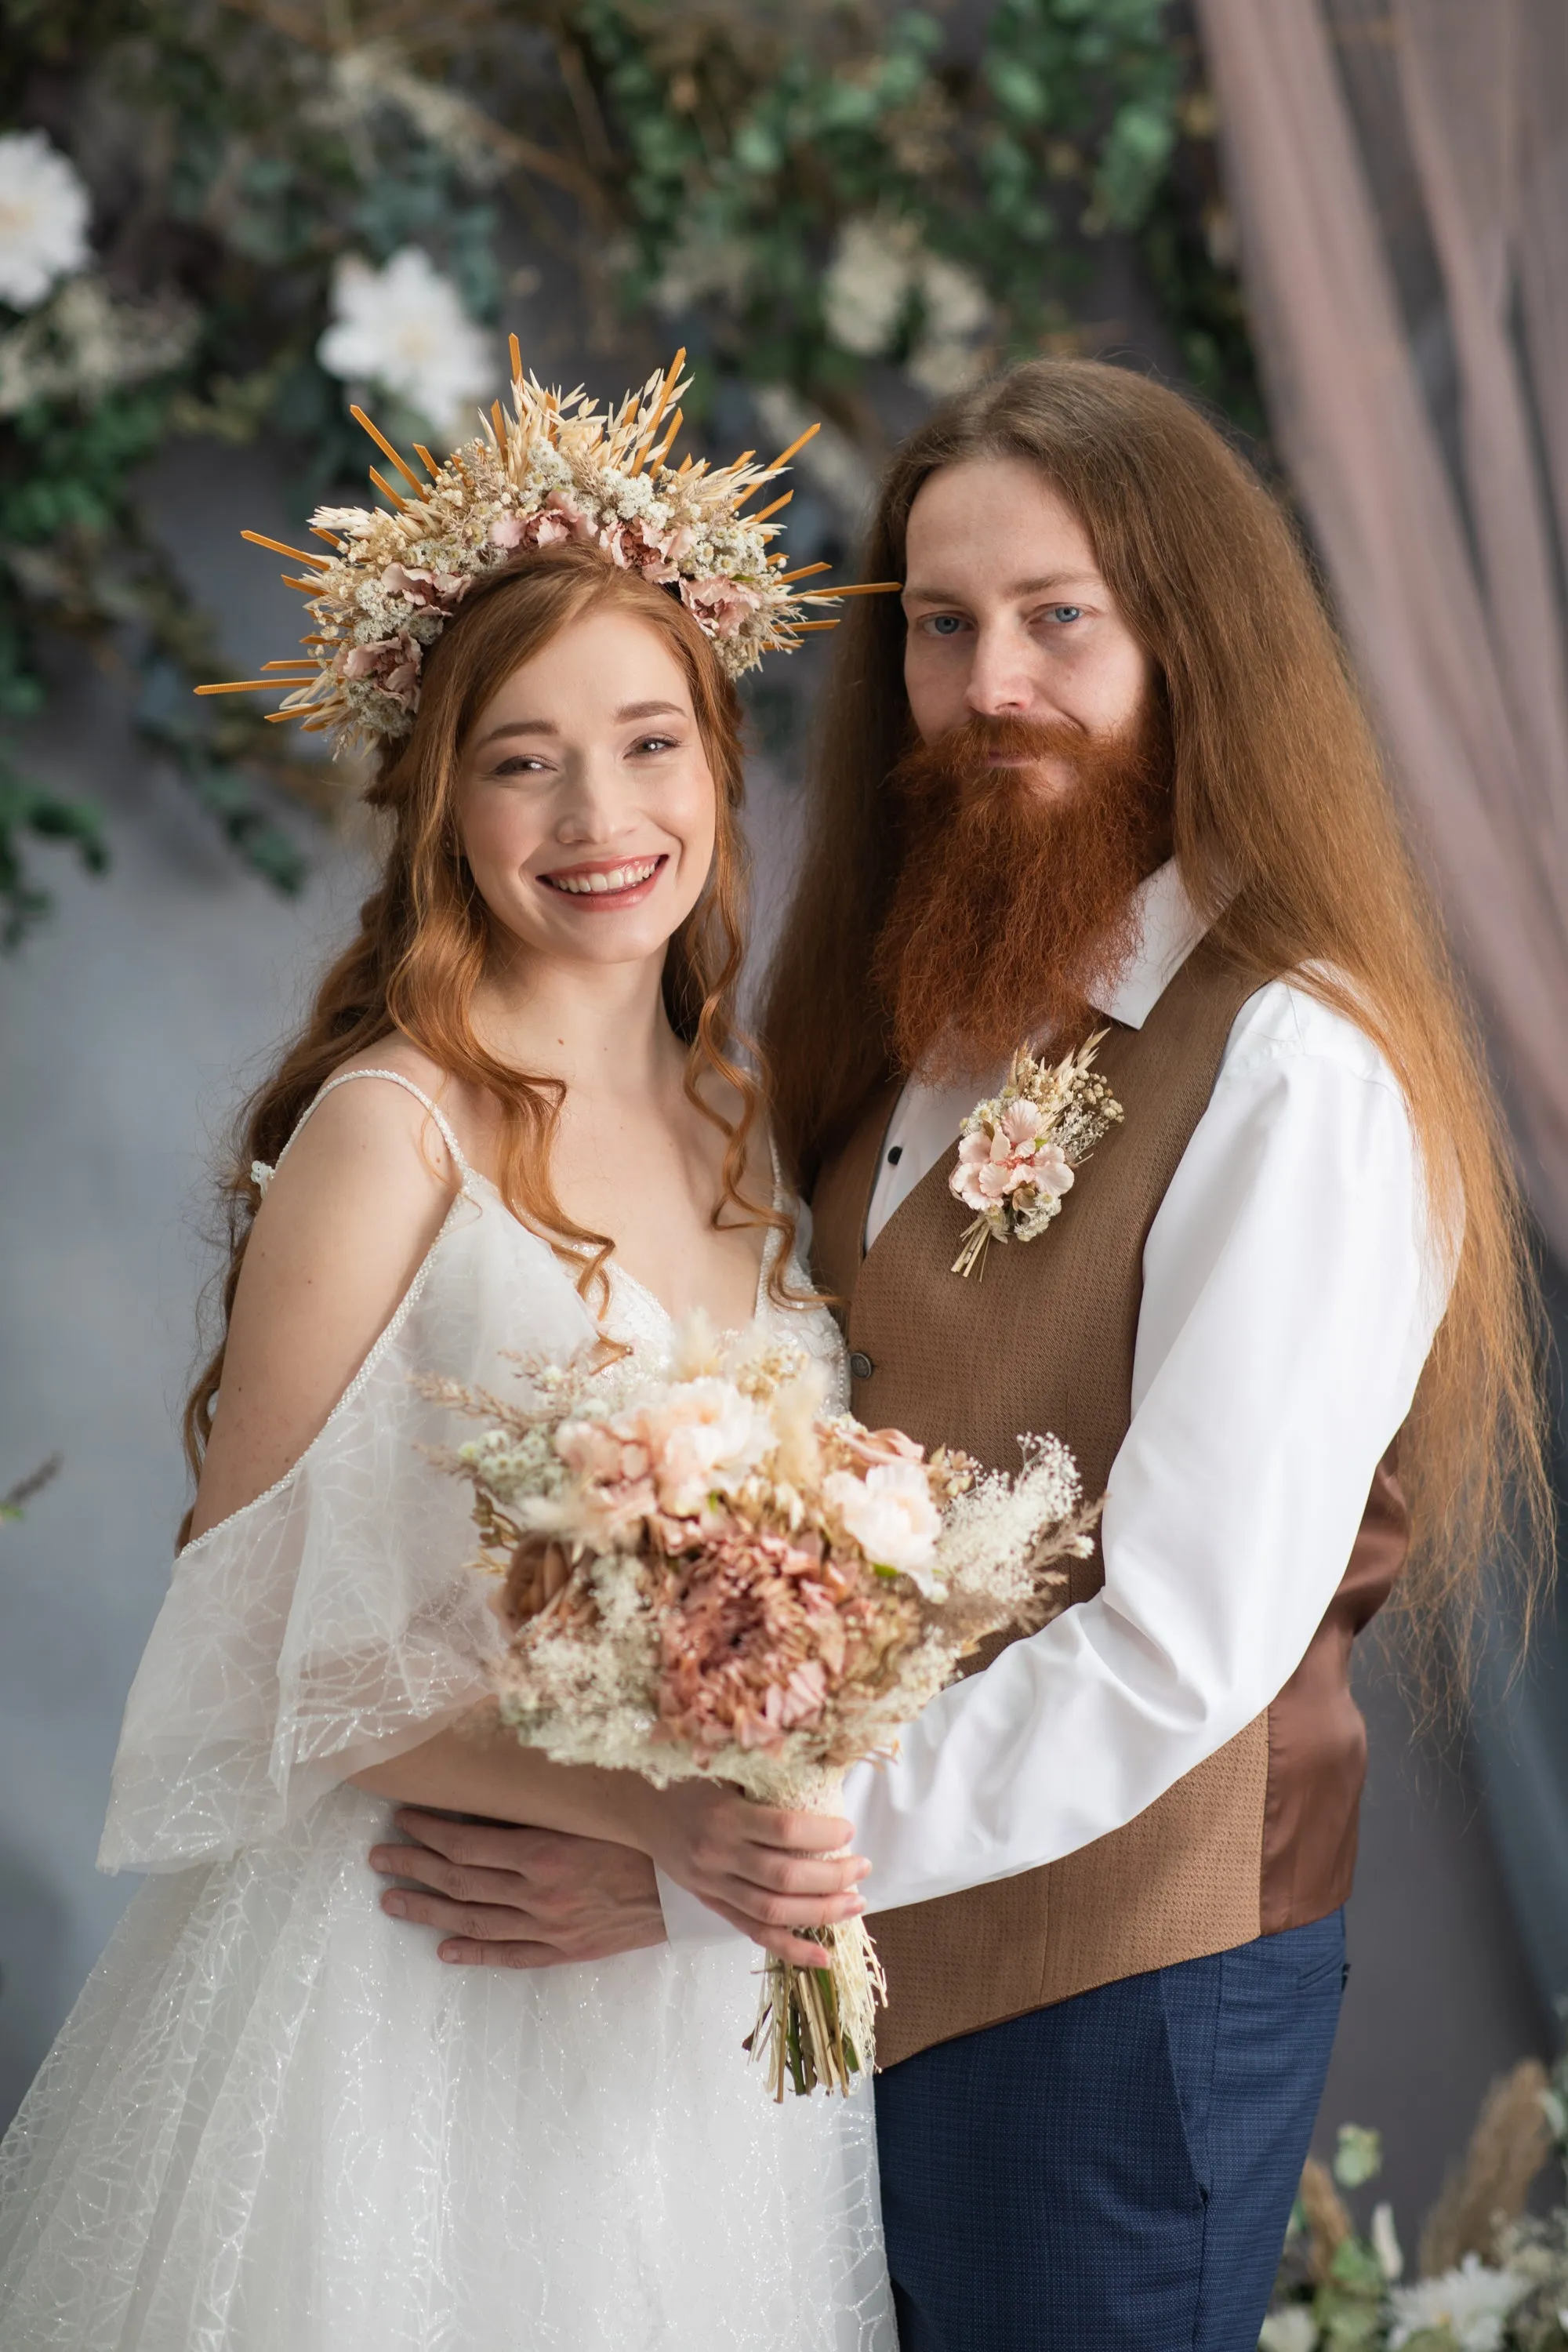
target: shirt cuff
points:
(688, 1921)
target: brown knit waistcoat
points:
(1262, 1836)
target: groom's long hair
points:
(1287, 839)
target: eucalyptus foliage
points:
(713, 173)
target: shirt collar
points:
(1170, 928)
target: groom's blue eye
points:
(943, 624)
(1067, 612)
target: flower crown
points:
(553, 470)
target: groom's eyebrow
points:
(547, 727)
(919, 591)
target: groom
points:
(1065, 790)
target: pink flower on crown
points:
(654, 553)
(391, 663)
(557, 521)
(1011, 1157)
(434, 590)
(721, 605)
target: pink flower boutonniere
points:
(1019, 1149)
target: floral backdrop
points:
(231, 218)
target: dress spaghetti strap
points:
(262, 1175)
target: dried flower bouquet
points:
(704, 1572)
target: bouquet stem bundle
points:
(702, 1572)
(819, 2025)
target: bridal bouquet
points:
(705, 1571)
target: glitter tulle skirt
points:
(277, 2123)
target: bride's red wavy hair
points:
(425, 932)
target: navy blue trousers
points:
(1113, 2174)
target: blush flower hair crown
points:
(551, 469)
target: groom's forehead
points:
(928, 586)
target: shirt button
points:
(861, 1365)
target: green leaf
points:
(1355, 2266)
(1018, 88)
(1358, 2156)
(755, 149)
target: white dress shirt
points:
(1289, 1298)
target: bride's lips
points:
(603, 885)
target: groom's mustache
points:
(987, 756)
(1015, 891)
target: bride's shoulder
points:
(366, 1177)
(346, 1219)
(393, 1129)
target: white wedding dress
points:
(275, 2121)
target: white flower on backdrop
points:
(944, 359)
(403, 330)
(869, 281)
(878, 264)
(85, 345)
(1472, 2303)
(1292, 2329)
(44, 211)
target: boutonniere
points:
(1018, 1151)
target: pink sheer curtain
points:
(1399, 172)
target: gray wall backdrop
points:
(130, 1027)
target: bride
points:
(514, 1120)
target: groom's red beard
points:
(1011, 899)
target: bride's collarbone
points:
(670, 1247)
(650, 1180)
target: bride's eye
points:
(656, 743)
(520, 763)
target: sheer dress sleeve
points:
(333, 1623)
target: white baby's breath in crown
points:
(551, 469)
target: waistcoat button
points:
(861, 1365)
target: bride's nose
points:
(593, 807)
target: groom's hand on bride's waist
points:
(519, 1898)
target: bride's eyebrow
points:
(518, 727)
(547, 727)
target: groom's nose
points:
(1003, 681)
